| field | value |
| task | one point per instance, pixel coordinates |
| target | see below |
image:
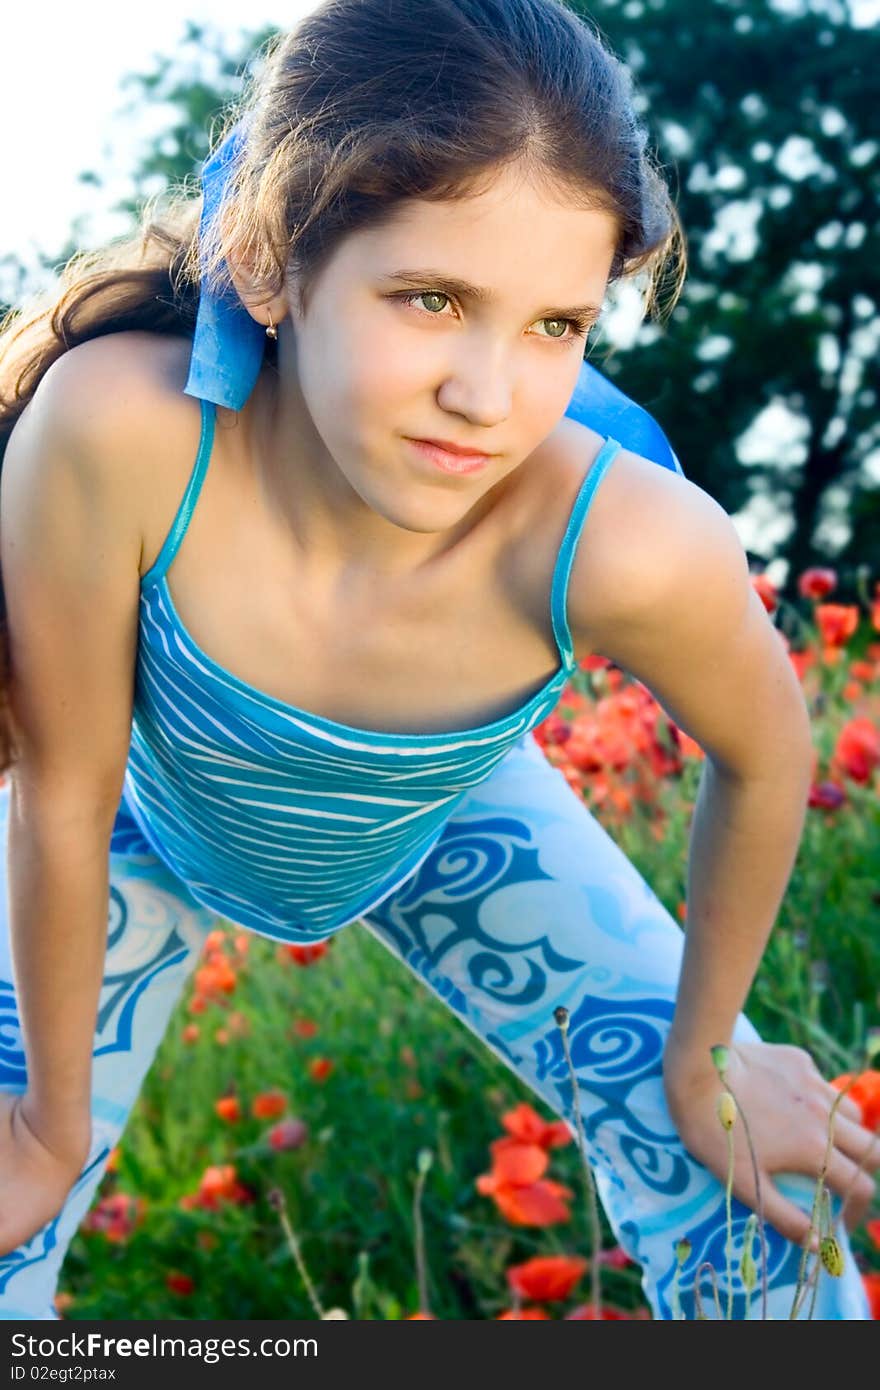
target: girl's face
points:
(394, 346)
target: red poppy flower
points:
(857, 750)
(116, 1216)
(525, 1124)
(827, 796)
(320, 1068)
(218, 1184)
(865, 1091)
(584, 1313)
(864, 671)
(872, 1289)
(228, 1109)
(553, 730)
(305, 955)
(214, 941)
(766, 591)
(524, 1315)
(268, 1105)
(518, 1163)
(817, 583)
(304, 1027)
(836, 622)
(615, 1258)
(179, 1283)
(802, 661)
(217, 977)
(546, 1277)
(516, 1181)
(540, 1203)
(287, 1134)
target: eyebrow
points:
(463, 289)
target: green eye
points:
(433, 294)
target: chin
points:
(422, 515)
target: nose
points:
(479, 384)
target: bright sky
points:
(60, 99)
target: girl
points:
(335, 419)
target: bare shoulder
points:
(651, 535)
(661, 587)
(118, 401)
(109, 387)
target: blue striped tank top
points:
(281, 820)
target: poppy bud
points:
(720, 1057)
(831, 1255)
(747, 1270)
(726, 1110)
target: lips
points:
(450, 448)
(448, 461)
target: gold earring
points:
(271, 331)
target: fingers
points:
(857, 1143)
(794, 1224)
(787, 1218)
(845, 1176)
(853, 1184)
(848, 1108)
(854, 1160)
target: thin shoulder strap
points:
(190, 497)
(559, 591)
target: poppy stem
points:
(759, 1197)
(561, 1017)
(707, 1264)
(276, 1199)
(828, 1227)
(728, 1243)
(424, 1163)
(801, 1289)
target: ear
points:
(260, 309)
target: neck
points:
(334, 530)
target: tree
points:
(763, 110)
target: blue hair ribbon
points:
(228, 344)
(228, 347)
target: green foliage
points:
(763, 114)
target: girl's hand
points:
(787, 1104)
(34, 1178)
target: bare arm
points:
(676, 609)
(70, 553)
(668, 598)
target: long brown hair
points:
(363, 104)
